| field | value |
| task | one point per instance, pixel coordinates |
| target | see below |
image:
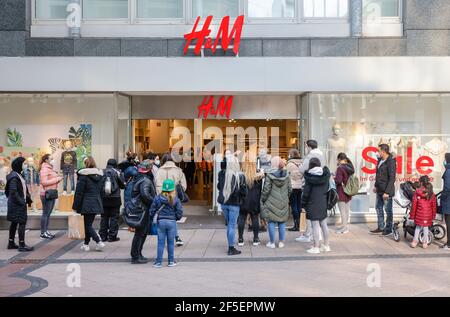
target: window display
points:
(413, 126)
(69, 127)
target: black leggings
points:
(12, 231)
(89, 230)
(447, 223)
(241, 223)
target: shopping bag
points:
(76, 227)
(302, 222)
(153, 229)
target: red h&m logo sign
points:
(204, 40)
(223, 108)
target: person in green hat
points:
(166, 209)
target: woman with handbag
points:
(169, 170)
(166, 209)
(48, 192)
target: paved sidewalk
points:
(205, 269)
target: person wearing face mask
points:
(312, 151)
(385, 190)
(445, 199)
(18, 198)
(49, 180)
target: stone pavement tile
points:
(32, 238)
(196, 246)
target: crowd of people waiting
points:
(266, 190)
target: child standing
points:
(423, 210)
(167, 209)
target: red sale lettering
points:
(424, 164)
(369, 159)
(223, 37)
(223, 107)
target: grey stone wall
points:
(426, 33)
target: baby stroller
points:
(404, 198)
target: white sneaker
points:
(303, 238)
(270, 245)
(241, 244)
(313, 250)
(325, 248)
(280, 245)
(85, 247)
(172, 264)
(99, 246)
(342, 231)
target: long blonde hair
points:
(233, 170)
(170, 196)
(251, 176)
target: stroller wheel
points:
(428, 239)
(396, 235)
(438, 232)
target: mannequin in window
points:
(436, 149)
(4, 171)
(336, 145)
(68, 166)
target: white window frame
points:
(126, 20)
(216, 20)
(388, 20)
(36, 21)
(256, 20)
(344, 19)
(136, 20)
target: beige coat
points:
(297, 179)
(170, 170)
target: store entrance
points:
(162, 135)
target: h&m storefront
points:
(97, 104)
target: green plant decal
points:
(14, 138)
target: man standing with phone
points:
(385, 190)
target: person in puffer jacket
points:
(423, 210)
(166, 209)
(275, 200)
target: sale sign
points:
(423, 165)
(223, 37)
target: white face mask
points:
(157, 162)
(52, 162)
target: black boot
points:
(233, 251)
(12, 245)
(24, 248)
(296, 226)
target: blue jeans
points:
(296, 203)
(166, 231)
(47, 208)
(384, 206)
(281, 230)
(231, 214)
(70, 175)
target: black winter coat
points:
(17, 204)
(237, 196)
(385, 177)
(89, 191)
(445, 198)
(114, 199)
(143, 192)
(314, 196)
(252, 201)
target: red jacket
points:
(423, 210)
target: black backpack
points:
(332, 198)
(110, 185)
(134, 212)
